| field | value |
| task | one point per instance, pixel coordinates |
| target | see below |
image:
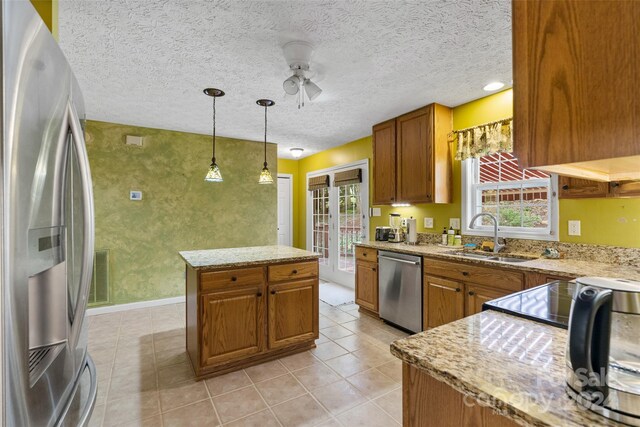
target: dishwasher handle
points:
(404, 261)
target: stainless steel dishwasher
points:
(400, 289)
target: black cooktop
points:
(550, 303)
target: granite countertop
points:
(562, 267)
(242, 257)
(510, 364)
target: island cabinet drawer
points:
(490, 276)
(224, 279)
(366, 254)
(299, 270)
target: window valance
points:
(489, 138)
(352, 176)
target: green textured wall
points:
(179, 210)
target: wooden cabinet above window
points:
(411, 157)
(576, 97)
(576, 188)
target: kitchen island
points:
(489, 369)
(249, 305)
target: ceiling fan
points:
(298, 56)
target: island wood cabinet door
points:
(384, 163)
(478, 295)
(367, 285)
(232, 324)
(293, 313)
(443, 301)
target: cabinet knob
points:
(471, 293)
(615, 184)
(428, 196)
(259, 294)
(234, 278)
(565, 187)
(457, 289)
(465, 273)
(294, 272)
(364, 254)
(373, 269)
(273, 292)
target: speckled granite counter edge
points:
(241, 264)
(501, 407)
(528, 266)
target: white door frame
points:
(333, 274)
(290, 177)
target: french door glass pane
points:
(320, 223)
(350, 226)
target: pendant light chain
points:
(265, 136)
(213, 132)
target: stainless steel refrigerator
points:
(47, 230)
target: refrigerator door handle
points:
(87, 409)
(87, 197)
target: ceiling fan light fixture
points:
(312, 89)
(296, 152)
(292, 85)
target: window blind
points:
(318, 182)
(352, 176)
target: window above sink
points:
(524, 201)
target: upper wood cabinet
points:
(411, 157)
(576, 69)
(576, 188)
(384, 163)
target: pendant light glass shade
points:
(265, 175)
(214, 174)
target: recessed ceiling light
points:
(493, 86)
(296, 152)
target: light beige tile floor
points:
(145, 377)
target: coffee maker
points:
(603, 348)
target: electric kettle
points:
(603, 348)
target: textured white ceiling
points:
(145, 62)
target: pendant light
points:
(214, 174)
(265, 175)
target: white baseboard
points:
(134, 305)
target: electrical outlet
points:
(454, 223)
(428, 223)
(574, 227)
(135, 195)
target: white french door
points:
(337, 218)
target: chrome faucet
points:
(496, 246)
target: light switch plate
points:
(428, 223)
(574, 227)
(454, 223)
(135, 195)
(375, 212)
